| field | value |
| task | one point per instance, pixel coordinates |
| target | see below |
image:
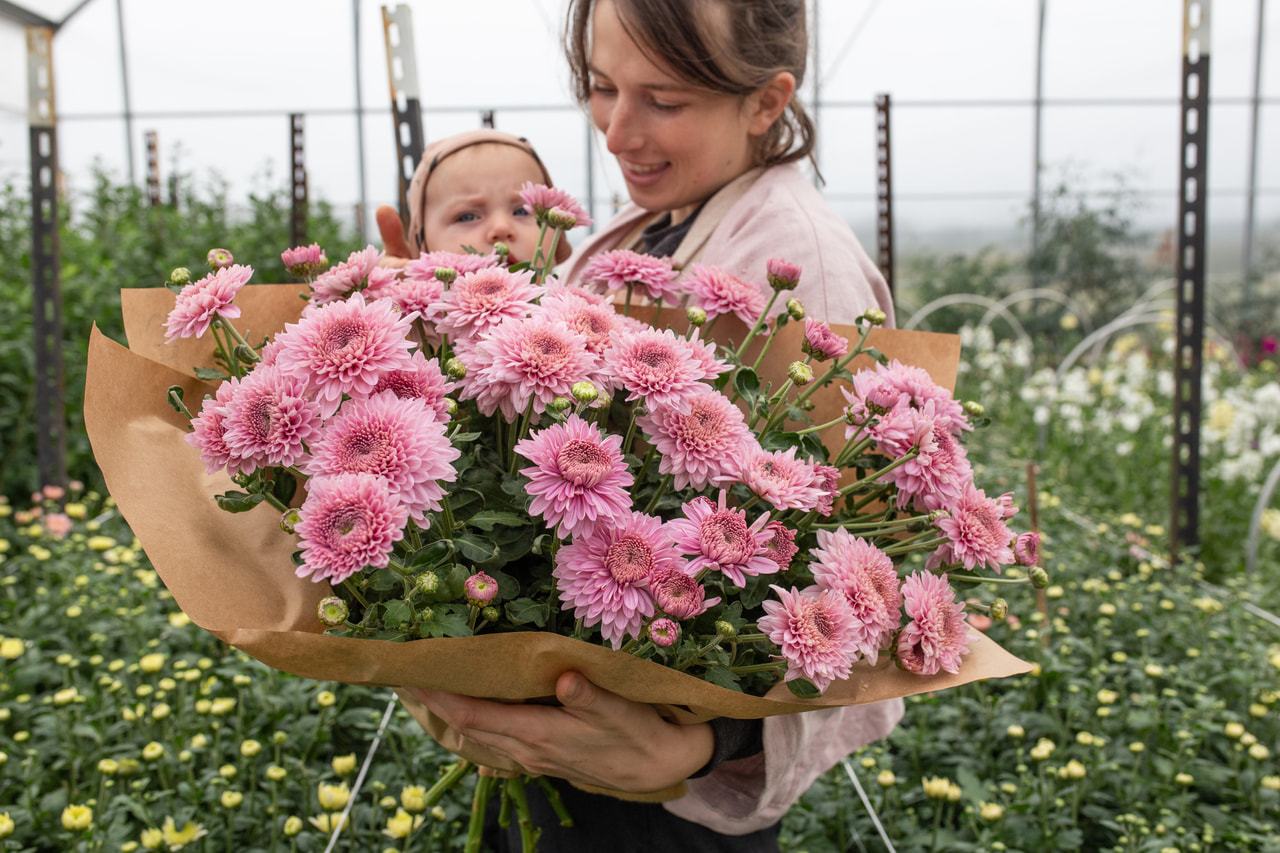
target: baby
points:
(466, 193)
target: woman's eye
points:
(600, 89)
(666, 108)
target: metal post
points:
(884, 191)
(817, 95)
(591, 173)
(124, 82)
(362, 209)
(46, 303)
(1184, 529)
(1252, 182)
(402, 70)
(298, 194)
(153, 168)
(487, 119)
(1036, 143)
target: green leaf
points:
(431, 554)
(211, 374)
(526, 611)
(747, 384)
(475, 549)
(175, 399)
(398, 613)
(238, 501)
(722, 676)
(452, 624)
(803, 688)
(284, 487)
(487, 519)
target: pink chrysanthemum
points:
(778, 477)
(347, 522)
(867, 579)
(699, 443)
(382, 283)
(270, 420)
(479, 301)
(826, 479)
(821, 342)
(622, 268)
(940, 472)
(208, 430)
(936, 637)
(1007, 508)
(426, 264)
(398, 440)
(199, 302)
(420, 297)
(421, 380)
(660, 367)
(593, 320)
(604, 576)
(781, 546)
(1026, 549)
(663, 632)
(305, 261)
(678, 594)
(976, 533)
(717, 292)
(782, 274)
(579, 480)
(877, 391)
(719, 538)
(814, 629)
(541, 199)
(479, 589)
(344, 348)
(525, 360)
(345, 278)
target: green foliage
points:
(111, 238)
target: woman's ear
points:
(769, 102)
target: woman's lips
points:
(643, 175)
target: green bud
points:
(584, 392)
(490, 613)
(800, 373)
(697, 317)
(246, 354)
(501, 250)
(446, 275)
(875, 317)
(795, 308)
(451, 406)
(999, 610)
(455, 369)
(558, 217)
(332, 611)
(289, 521)
(428, 582)
(559, 404)
(180, 275)
(973, 408)
(724, 629)
(1039, 577)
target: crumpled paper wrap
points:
(233, 575)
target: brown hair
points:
(732, 47)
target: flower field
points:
(1150, 723)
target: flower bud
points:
(502, 250)
(800, 373)
(973, 408)
(1039, 577)
(697, 316)
(558, 217)
(584, 392)
(795, 308)
(726, 630)
(999, 610)
(559, 405)
(480, 589)
(490, 613)
(455, 369)
(290, 520)
(664, 632)
(180, 275)
(1026, 549)
(219, 259)
(875, 317)
(332, 611)
(782, 275)
(428, 582)
(451, 407)
(446, 275)
(246, 354)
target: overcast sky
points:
(954, 166)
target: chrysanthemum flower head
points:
(480, 300)
(594, 320)
(877, 390)
(940, 471)
(699, 441)
(208, 430)
(523, 361)
(815, 631)
(663, 632)
(781, 546)
(344, 348)
(422, 380)
(718, 537)
(660, 367)
(349, 521)
(345, 278)
(718, 292)
(270, 420)
(821, 342)
(381, 283)
(305, 261)
(868, 580)
(976, 533)
(677, 593)
(936, 637)
(201, 301)
(578, 479)
(777, 476)
(782, 274)
(426, 264)
(1026, 549)
(541, 199)
(622, 268)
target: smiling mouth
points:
(641, 169)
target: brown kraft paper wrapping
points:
(233, 573)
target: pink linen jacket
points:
(776, 212)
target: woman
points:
(696, 100)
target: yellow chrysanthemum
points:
(179, 838)
(77, 818)
(333, 797)
(401, 824)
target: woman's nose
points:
(621, 131)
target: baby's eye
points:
(465, 217)
(521, 211)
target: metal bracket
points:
(402, 70)
(884, 191)
(46, 303)
(153, 168)
(298, 194)
(1184, 531)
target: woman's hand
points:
(394, 244)
(596, 738)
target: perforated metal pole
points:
(1185, 526)
(46, 303)
(153, 168)
(884, 191)
(402, 70)
(298, 195)
(1251, 182)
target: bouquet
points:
(466, 451)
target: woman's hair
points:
(732, 47)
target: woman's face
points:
(676, 145)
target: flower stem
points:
(553, 798)
(662, 487)
(820, 427)
(484, 790)
(772, 666)
(528, 832)
(756, 328)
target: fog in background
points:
(217, 80)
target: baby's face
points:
(473, 199)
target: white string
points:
(866, 803)
(364, 768)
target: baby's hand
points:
(394, 244)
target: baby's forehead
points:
(487, 161)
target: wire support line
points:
(1017, 195)
(1029, 103)
(285, 112)
(866, 803)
